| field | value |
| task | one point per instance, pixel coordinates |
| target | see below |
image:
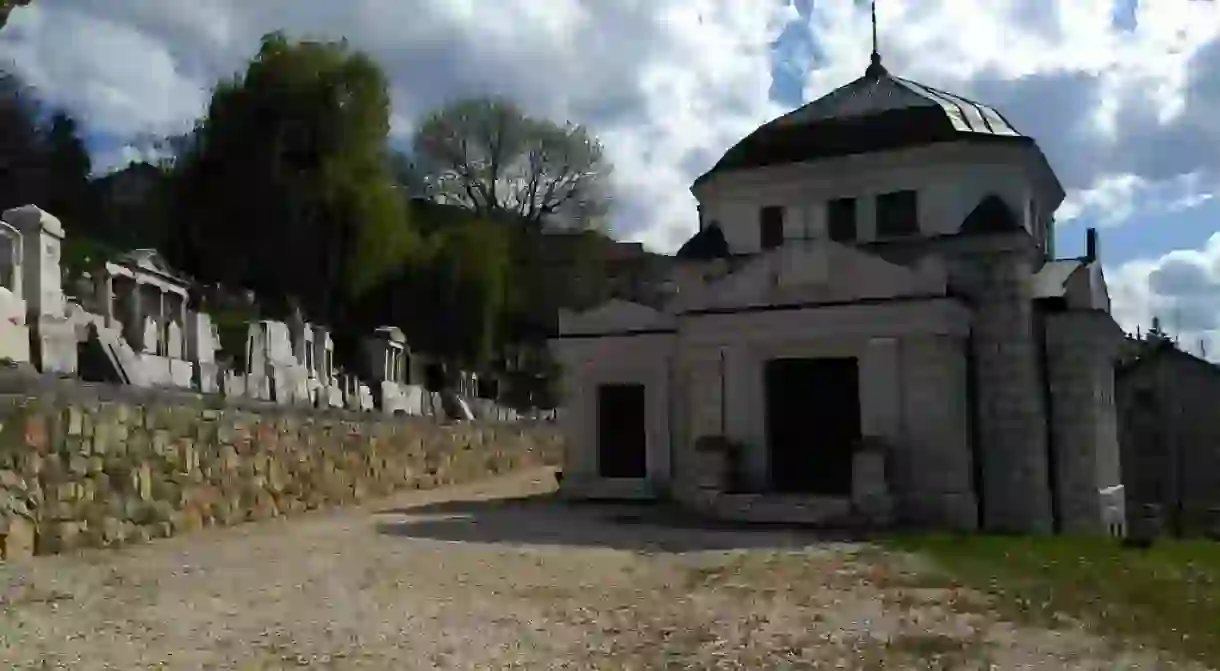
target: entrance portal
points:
(622, 443)
(813, 424)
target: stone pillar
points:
(136, 326)
(1010, 418)
(698, 394)
(106, 289)
(1080, 350)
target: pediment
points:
(614, 316)
(819, 271)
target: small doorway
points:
(813, 424)
(622, 439)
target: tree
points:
(22, 146)
(472, 263)
(7, 6)
(43, 160)
(71, 196)
(284, 186)
(450, 300)
(487, 155)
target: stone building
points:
(1168, 403)
(874, 276)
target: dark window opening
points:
(841, 219)
(771, 226)
(897, 214)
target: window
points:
(897, 214)
(841, 219)
(771, 226)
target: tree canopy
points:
(487, 155)
(43, 160)
(284, 186)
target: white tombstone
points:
(173, 341)
(14, 335)
(52, 337)
(42, 237)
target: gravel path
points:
(468, 578)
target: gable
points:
(819, 271)
(991, 215)
(614, 316)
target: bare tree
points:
(487, 155)
(7, 6)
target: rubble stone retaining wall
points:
(105, 472)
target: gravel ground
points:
(497, 575)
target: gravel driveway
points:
(497, 575)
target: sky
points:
(1122, 96)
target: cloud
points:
(1114, 199)
(1182, 288)
(666, 84)
(1121, 110)
(1124, 109)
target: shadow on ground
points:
(545, 519)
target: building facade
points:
(875, 268)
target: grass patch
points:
(1167, 596)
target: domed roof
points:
(876, 112)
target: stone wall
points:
(87, 469)
(1168, 408)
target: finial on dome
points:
(875, 68)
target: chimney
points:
(699, 209)
(1090, 245)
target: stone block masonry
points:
(107, 473)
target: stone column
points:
(106, 289)
(1083, 421)
(1010, 418)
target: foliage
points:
(450, 299)
(43, 161)
(487, 155)
(287, 173)
(7, 6)
(82, 254)
(1167, 595)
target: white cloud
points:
(1182, 288)
(118, 78)
(1126, 116)
(1114, 199)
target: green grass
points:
(1167, 596)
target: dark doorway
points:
(813, 424)
(621, 435)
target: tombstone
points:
(201, 341)
(14, 336)
(324, 355)
(52, 338)
(173, 341)
(150, 339)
